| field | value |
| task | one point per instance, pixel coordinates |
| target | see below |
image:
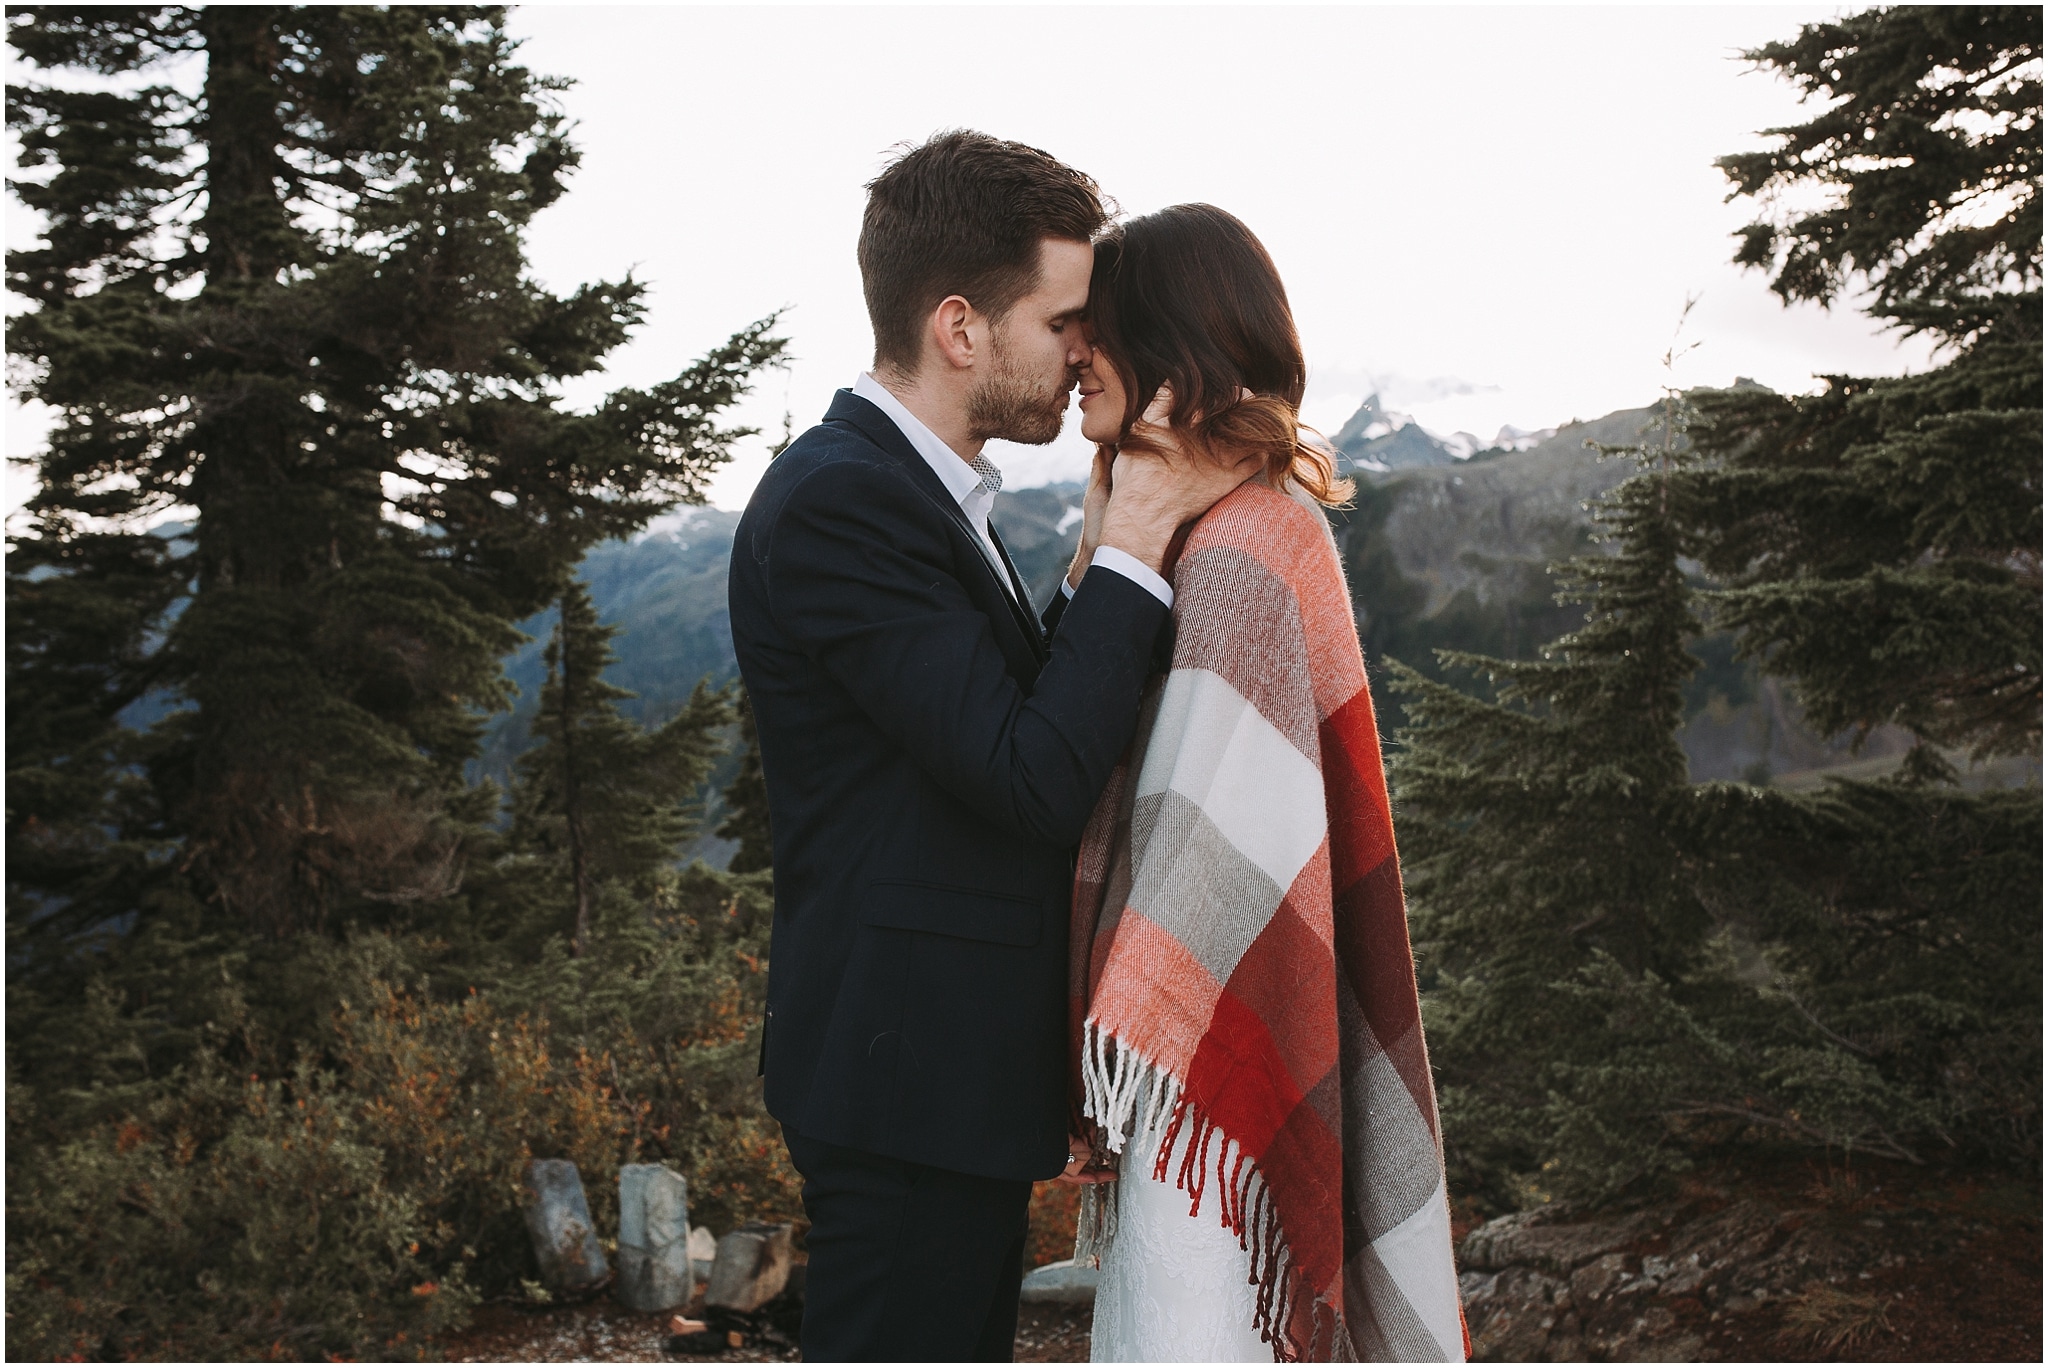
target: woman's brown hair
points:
(1188, 297)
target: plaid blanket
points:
(1241, 962)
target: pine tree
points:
(1536, 833)
(746, 801)
(290, 310)
(610, 801)
(309, 465)
(1881, 543)
(1881, 540)
(1929, 159)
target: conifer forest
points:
(297, 987)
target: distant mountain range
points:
(1448, 544)
(1377, 440)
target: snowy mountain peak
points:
(1377, 439)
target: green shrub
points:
(214, 1186)
(235, 1217)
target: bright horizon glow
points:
(1491, 216)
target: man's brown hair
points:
(963, 214)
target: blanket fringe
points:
(1116, 1081)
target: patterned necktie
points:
(990, 476)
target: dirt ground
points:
(1792, 1259)
(1922, 1264)
(1953, 1273)
(604, 1332)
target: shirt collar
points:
(955, 474)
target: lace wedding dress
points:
(1175, 1288)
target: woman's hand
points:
(1078, 1173)
(1094, 503)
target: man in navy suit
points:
(932, 749)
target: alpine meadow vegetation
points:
(291, 998)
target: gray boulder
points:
(751, 1267)
(1529, 1238)
(1065, 1283)
(654, 1239)
(703, 1249)
(558, 1219)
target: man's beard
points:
(1015, 406)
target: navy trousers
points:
(908, 1263)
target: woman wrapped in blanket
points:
(1248, 1053)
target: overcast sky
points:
(1490, 215)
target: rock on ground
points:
(564, 1236)
(1061, 1284)
(654, 1239)
(751, 1267)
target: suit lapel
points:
(1021, 594)
(877, 427)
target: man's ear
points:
(958, 332)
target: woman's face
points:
(1102, 397)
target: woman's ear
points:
(1161, 407)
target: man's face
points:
(1036, 352)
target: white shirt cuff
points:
(1132, 569)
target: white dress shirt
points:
(975, 498)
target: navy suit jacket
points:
(932, 752)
